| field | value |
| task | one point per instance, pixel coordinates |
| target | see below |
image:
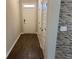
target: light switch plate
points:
(63, 28)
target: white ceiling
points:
(29, 1)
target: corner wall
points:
(12, 23)
(53, 18)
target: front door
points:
(29, 20)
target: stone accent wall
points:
(64, 39)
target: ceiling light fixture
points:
(29, 5)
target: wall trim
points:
(13, 45)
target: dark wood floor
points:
(27, 47)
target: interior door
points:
(29, 20)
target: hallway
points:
(27, 47)
(37, 17)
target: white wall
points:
(20, 4)
(39, 16)
(13, 28)
(53, 17)
(39, 22)
(42, 26)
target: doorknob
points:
(24, 20)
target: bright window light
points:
(29, 5)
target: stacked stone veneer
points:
(64, 39)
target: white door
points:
(29, 20)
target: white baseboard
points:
(13, 45)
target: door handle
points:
(24, 20)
